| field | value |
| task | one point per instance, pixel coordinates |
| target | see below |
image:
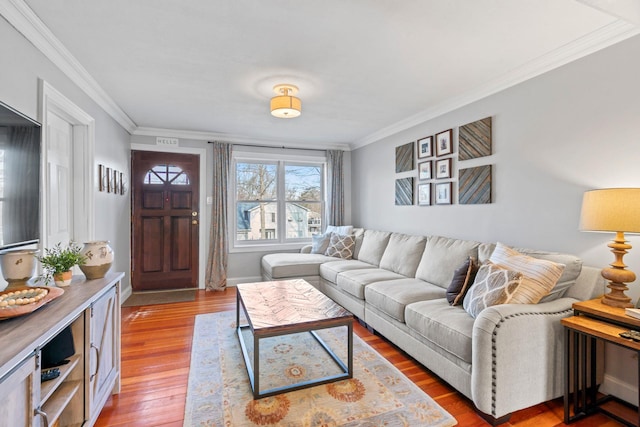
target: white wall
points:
(570, 130)
(22, 66)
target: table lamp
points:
(613, 210)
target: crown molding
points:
(23, 19)
(604, 37)
(234, 139)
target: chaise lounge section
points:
(509, 357)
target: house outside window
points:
(277, 202)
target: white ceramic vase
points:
(18, 266)
(99, 257)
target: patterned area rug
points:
(219, 393)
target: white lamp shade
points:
(611, 209)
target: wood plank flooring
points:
(156, 352)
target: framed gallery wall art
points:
(443, 168)
(443, 193)
(404, 157)
(474, 139)
(424, 170)
(424, 194)
(425, 147)
(444, 141)
(404, 191)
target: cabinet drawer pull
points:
(97, 362)
(44, 416)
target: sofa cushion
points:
(403, 254)
(448, 327)
(329, 271)
(493, 285)
(392, 296)
(284, 265)
(373, 245)
(441, 257)
(340, 246)
(354, 281)
(358, 234)
(539, 276)
(462, 280)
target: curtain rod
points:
(273, 146)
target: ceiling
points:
(365, 68)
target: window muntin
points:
(277, 201)
(163, 174)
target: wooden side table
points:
(593, 322)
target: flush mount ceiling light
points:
(285, 106)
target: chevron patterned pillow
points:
(493, 285)
(341, 246)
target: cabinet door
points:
(104, 351)
(18, 393)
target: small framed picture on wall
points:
(425, 147)
(443, 193)
(424, 170)
(443, 169)
(444, 141)
(424, 194)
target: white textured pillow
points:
(493, 285)
(539, 275)
(343, 230)
(319, 243)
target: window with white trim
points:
(277, 199)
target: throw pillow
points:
(493, 285)
(341, 246)
(462, 280)
(319, 243)
(539, 275)
(343, 230)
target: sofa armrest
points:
(305, 249)
(518, 355)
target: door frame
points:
(83, 179)
(204, 219)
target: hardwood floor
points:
(156, 352)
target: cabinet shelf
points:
(60, 399)
(47, 388)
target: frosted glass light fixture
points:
(285, 105)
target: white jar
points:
(99, 257)
(19, 265)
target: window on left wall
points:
(276, 201)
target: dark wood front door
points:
(165, 220)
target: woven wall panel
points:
(474, 185)
(474, 140)
(404, 157)
(404, 191)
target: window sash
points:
(279, 234)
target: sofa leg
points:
(367, 327)
(493, 420)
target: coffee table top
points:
(287, 303)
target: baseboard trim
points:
(235, 280)
(619, 388)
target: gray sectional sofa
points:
(508, 358)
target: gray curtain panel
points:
(335, 184)
(216, 274)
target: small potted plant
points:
(57, 263)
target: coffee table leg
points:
(350, 348)
(256, 367)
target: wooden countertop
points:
(20, 336)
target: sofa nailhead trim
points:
(494, 348)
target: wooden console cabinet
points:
(76, 397)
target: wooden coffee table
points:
(288, 307)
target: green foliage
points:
(58, 259)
